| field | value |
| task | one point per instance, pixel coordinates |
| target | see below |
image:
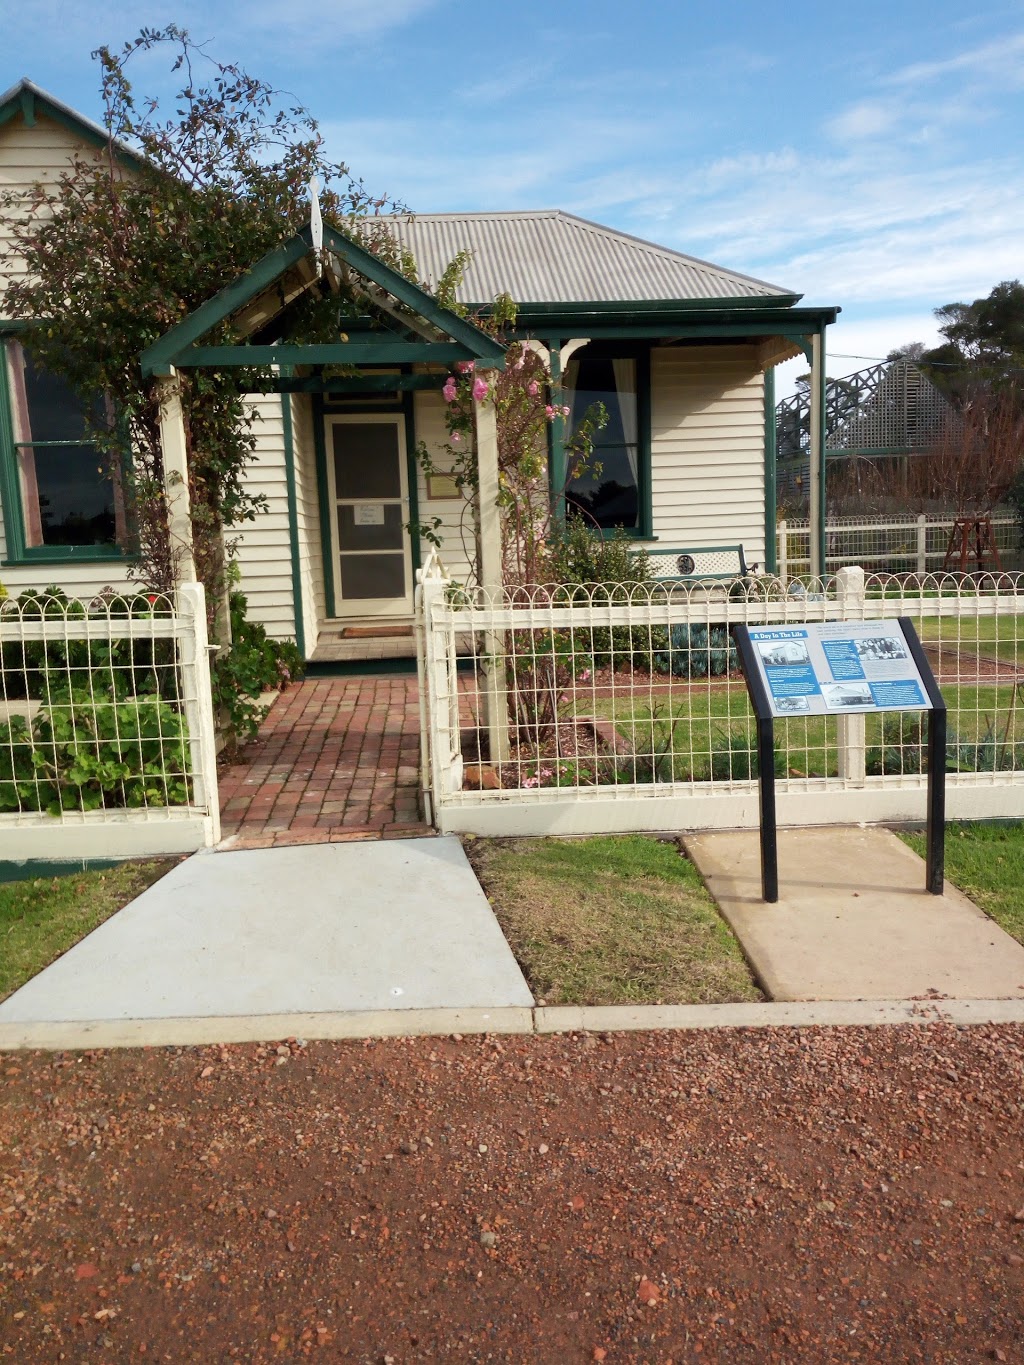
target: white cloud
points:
(869, 118)
(1000, 60)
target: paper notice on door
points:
(368, 513)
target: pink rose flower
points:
(456, 438)
(533, 388)
(465, 366)
(565, 411)
(450, 389)
(479, 390)
(550, 413)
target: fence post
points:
(436, 683)
(782, 551)
(851, 730)
(922, 544)
(190, 602)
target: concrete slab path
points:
(393, 925)
(853, 921)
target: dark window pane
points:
(366, 576)
(384, 536)
(54, 412)
(607, 493)
(366, 460)
(75, 495)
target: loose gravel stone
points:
(761, 1197)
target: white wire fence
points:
(888, 544)
(106, 725)
(611, 695)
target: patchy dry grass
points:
(619, 920)
(45, 916)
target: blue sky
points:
(869, 156)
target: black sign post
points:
(841, 668)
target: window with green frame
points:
(61, 499)
(615, 490)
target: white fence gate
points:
(107, 745)
(554, 710)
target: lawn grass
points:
(987, 637)
(621, 920)
(702, 720)
(986, 861)
(42, 918)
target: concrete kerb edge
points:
(198, 1032)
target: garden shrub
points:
(698, 651)
(734, 758)
(253, 664)
(78, 754)
(589, 568)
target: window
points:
(613, 492)
(61, 500)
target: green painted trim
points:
(412, 474)
(369, 668)
(699, 310)
(820, 454)
(392, 352)
(644, 530)
(770, 475)
(645, 491)
(28, 101)
(771, 548)
(31, 868)
(293, 523)
(359, 383)
(320, 446)
(557, 463)
(17, 553)
(173, 348)
(422, 304)
(10, 496)
(656, 330)
(160, 357)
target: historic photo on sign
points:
(780, 653)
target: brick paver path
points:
(336, 759)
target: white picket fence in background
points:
(37, 707)
(887, 544)
(547, 716)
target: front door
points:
(368, 486)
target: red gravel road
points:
(825, 1195)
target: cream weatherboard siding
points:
(707, 447)
(263, 546)
(456, 530)
(311, 563)
(30, 155)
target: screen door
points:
(369, 494)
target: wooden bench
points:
(710, 561)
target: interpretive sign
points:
(835, 667)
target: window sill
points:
(26, 561)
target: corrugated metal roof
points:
(554, 257)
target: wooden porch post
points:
(176, 493)
(489, 559)
(816, 470)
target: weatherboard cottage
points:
(680, 352)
